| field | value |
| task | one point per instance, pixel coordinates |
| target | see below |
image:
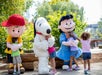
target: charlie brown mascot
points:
(15, 27)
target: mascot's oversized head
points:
(15, 25)
(42, 26)
(66, 24)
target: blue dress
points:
(64, 51)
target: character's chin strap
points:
(39, 33)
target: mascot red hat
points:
(14, 19)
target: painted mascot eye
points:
(66, 23)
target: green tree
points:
(28, 37)
(47, 8)
(53, 11)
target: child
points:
(52, 53)
(85, 41)
(16, 57)
(73, 49)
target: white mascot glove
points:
(14, 47)
(17, 46)
(69, 43)
(51, 41)
(74, 43)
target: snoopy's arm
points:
(40, 44)
(51, 41)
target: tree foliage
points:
(47, 8)
(28, 37)
(55, 9)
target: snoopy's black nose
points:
(48, 31)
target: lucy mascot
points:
(66, 25)
(15, 27)
(42, 30)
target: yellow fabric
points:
(10, 66)
(8, 51)
(21, 52)
(9, 40)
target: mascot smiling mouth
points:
(70, 28)
(66, 28)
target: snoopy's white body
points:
(41, 44)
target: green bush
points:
(3, 36)
(28, 37)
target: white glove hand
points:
(51, 41)
(63, 43)
(15, 47)
(66, 43)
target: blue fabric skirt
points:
(64, 53)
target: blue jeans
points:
(53, 54)
(86, 56)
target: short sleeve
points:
(19, 39)
(9, 40)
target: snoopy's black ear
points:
(34, 28)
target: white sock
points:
(14, 70)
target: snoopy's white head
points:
(42, 26)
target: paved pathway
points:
(96, 69)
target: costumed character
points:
(15, 27)
(41, 45)
(66, 25)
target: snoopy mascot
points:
(41, 45)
